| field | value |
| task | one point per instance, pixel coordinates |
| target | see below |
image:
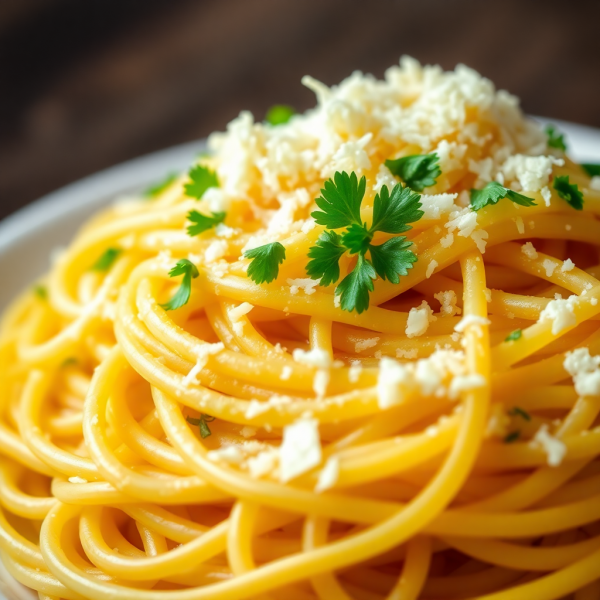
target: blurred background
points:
(85, 84)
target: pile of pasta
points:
(478, 477)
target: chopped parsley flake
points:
(202, 424)
(106, 260)
(201, 178)
(202, 222)
(158, 188)
(418, 171)
(513, 336)
(555, 139)
(568, 191)
(493, 192)
(266, 259)
(279, 114)
(593, 170)
(41, 291)
(519, 412)
(513, 436)
(182, 295)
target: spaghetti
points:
(260, 441)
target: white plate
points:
(28, 237)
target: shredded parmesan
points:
(448, 302)
(300, 449)
(419, 319)
(554, 448)
(561, 313)
(529, 251)
(329, 475)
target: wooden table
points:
(87, 84)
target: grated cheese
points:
(363, 345)
(391, 375)
(448, 302)
(520, 225)
(447, 240)
(300, 449)
(236, 314)
(532, 172)
(217, 249)
(329, 475)
(550, 266)
(554, 448)
(317, 357)
(585, 370)
(470, 320)
(431, 267)
(286, 373)
(479, 237)
(409, 354)
(419, 319)
(437, 205)
(568, 265)
(529, 251)
(306, 285)
(228, 454)
(561, 313)
(203, 351)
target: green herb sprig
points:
(106, 260)
(418, 171)
(201, 222)
(279, 114)
(159, 187)
(513, 336)
(494, 192)
(516, 411)
(340, 203)
(182, 295)
(592, 169)
(264, 266)
(568, 191)
(40, 291)
(202, 424)
(201, 179)
(555, 138)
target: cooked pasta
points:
(186, 414)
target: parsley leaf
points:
(392, 259)
(513, 436)
(418, 171)
(106, 260)
(202, 424)
(519, 412)
(555, 139)
(325, 258)
(340, 201)
(493, 192)
(355, 287)
(41, 291)
(357, 238)
(182, 295)
(340, 207)
(203, 222)
(568, 191)
(392, 212)
(266, 259)
(514, 335)
(157, 188)
(593, 170)
(279, 114)
(201, 178)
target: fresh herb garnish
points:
(340, 203)
(555, 139)
(69, 362)
(156, 189)
(203, 222)
(418, 171)
(493, 192)
(513, 436)
(568, 191)
(266, 259)
(201, 178)
(593, 170)
(202, 424)
(279, 114)
(41, 291)
(519, 412)
(182, 295)
(514, 335)
(106, 260)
